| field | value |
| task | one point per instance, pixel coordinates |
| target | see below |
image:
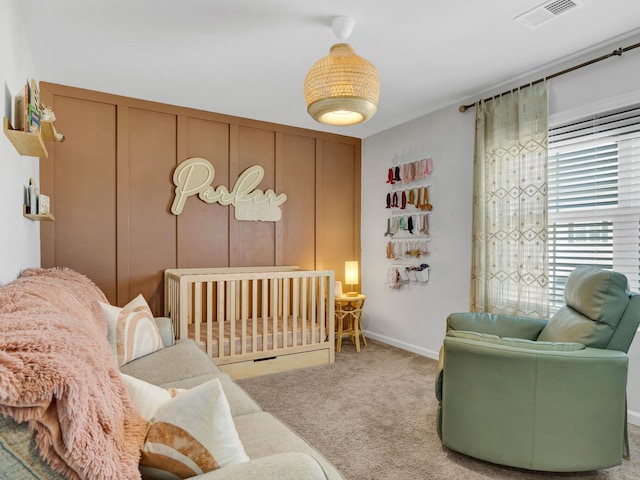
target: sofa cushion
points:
(192, 433)
(239, 400)
(132, 330)
(282, 466)
(178, 362)
(185, 365)
(19, 459)
(263, 435)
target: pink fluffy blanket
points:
(57, 373)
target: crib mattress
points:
(263, 342)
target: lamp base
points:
(352, 294)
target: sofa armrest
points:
(284, 466)
(497, 324)
(501, 404)
(165, 326)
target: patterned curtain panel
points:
(510, 264)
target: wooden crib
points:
(254, 320)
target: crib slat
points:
(313, 309)
(184, 308)
(254, 315)
(220, 317)
(295, 305)
(305, 313)
(285, 312)
(265, 314)
(209, 318)
(321, 307)
(244, 314)
(233, 284)
(274, 311)
(197, 310)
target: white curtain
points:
(510, 264)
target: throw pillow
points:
(146, 397)
(191, 434)
(132, 330)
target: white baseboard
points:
(632, 417)
(404, 346)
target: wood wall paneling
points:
(152, 226)
(84, 202)
(203, 228)
(254, 244)
(338, 193)
(298, 212)
(111, 190)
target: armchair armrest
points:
(501, 404)
(497, 324)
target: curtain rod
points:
(615, 53)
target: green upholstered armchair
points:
(538, 394)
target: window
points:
(594, 197)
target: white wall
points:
(19, 237)
(413, 317)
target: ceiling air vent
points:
(547, 11)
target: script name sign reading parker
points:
(194, 176)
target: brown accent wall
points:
(111, 191)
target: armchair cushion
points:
(595, 302)
(517, 342)
(496, 324)
(600, 295)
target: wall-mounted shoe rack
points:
(409, 207)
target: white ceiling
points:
(249, 57)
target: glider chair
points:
(537, 394)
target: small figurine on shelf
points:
(48, 115)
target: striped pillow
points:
(191, 434)
(132, 330)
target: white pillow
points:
(146, 397)
(190, 434)
(132, 330)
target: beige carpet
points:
(372, 415)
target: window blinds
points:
(594, 196)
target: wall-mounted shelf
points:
(45, 217)
(28, 144)
(49, 132)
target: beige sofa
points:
(275, 451)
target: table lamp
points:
(351, 276)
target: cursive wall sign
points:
(194, 176)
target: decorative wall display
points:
(194, 176)
(408, 221)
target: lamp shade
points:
(342, 88)
(351, 272)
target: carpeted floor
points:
(372, 415)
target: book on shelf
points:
(27, 112)
(32, 197)
(21, 109)
(43, 204)
(34, 118)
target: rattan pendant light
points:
(342, 88)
